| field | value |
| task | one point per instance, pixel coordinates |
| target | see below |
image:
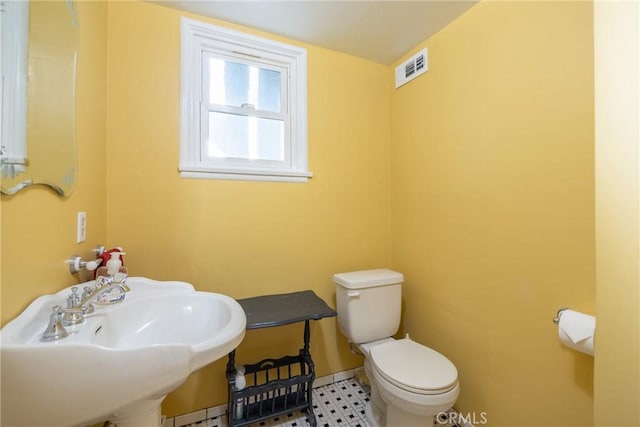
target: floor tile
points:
(340, 404)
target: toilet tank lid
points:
(368, 278)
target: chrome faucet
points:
(78, 307)
(91, 296)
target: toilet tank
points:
(368, 304)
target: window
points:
(243, 102)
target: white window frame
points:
(199, 39)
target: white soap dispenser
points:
(113, 272)
(114, 264)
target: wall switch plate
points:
(82, 227)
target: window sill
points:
(245, 174)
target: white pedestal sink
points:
(120, 363)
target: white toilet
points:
(410, 383)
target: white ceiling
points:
(381, 31)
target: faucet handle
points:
(55, 331)
(86, 291)
(73, 299)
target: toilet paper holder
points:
(556, 320)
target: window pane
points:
(243, 137)
(234, 84)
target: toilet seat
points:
(414, 367)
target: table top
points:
(282, 309)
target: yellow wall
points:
(39, 227)
(492, 206)
(245, 238)
(617, 107)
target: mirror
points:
(38, 95)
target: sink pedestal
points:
(146, 413)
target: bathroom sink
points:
(121, 362)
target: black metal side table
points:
(276, 386)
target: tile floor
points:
(340, 404)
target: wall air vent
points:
(412, 68)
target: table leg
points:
(306, 354)
(231, 384)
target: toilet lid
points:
(414, 367)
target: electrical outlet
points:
(82, 227)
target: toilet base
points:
(395, 418)
(373, 420)
(398, 418)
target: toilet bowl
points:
(410, 382)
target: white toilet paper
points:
(576, 330)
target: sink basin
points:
(121, 362)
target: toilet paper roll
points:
(576, 330)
